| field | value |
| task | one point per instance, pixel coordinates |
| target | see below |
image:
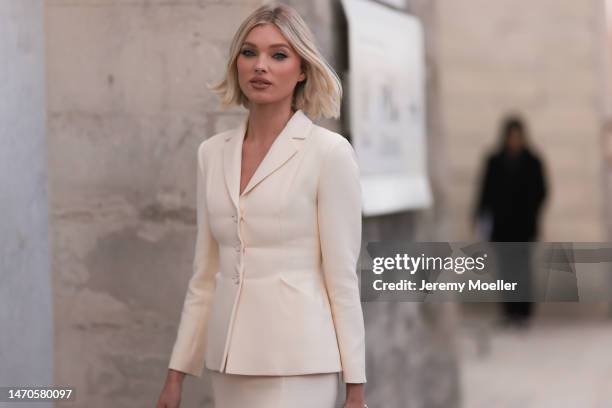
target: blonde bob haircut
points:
(318, 95)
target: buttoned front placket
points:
(238, 276)
(241, 247)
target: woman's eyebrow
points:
(271, 45)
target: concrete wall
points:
(127, 108)
(26, 313)
(607, 108)
(544, 60)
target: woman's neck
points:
(266, 122)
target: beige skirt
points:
(294, 391)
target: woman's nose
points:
(261, 64)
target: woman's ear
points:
(302, 76)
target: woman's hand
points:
(355, 396)
(170, 396)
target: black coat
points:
(512, 192)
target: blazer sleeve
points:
(339, 217)
(190, 345)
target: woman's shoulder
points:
(213, 144)
(335, 154)
(326, 140)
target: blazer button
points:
(237, 248)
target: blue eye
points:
(278, 56)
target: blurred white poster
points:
(387, 106)
(395, 3)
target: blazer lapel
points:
(232, 160)
(285, 146)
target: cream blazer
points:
(274, 289)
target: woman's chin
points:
(262, 101)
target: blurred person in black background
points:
(511, 194)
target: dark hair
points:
(512, 123)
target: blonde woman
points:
(272, 309)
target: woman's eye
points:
(278, 56)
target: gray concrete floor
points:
(564, 359)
